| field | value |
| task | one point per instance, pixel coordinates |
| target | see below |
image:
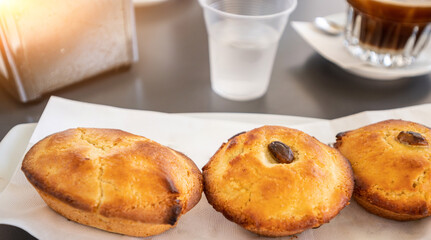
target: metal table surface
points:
(173, 76)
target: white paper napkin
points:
(331, 48)
(20, 205)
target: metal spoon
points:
(328, 26)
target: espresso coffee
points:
(406, 11)
(400, 28)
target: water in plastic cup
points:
(243, 40)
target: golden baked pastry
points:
(277, 181)
(391, 163)
(113, 180)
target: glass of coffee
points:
(388, 33)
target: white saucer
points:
(331, 48)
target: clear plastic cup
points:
(243, 40)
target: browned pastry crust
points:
(392, 177)
(113, 180)
(244, 181)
